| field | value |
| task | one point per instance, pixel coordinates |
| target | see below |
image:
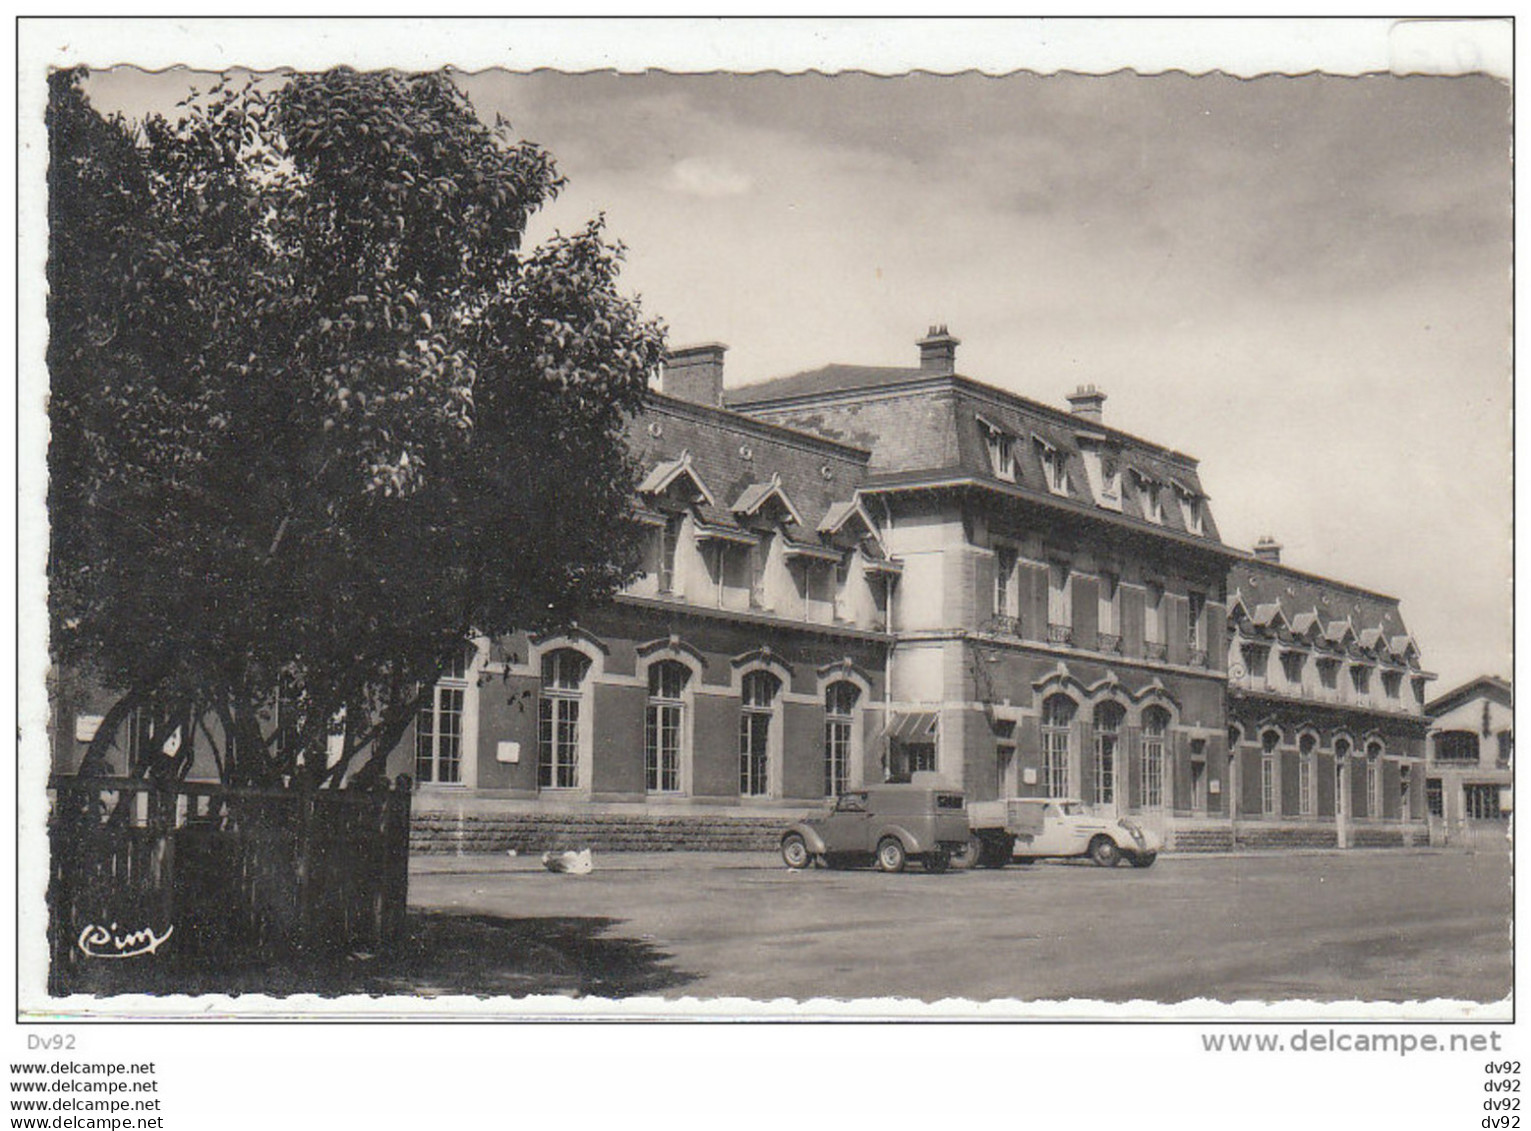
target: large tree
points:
(317, 415)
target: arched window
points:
(1374, 779)
(1108, 727)
(1057, 716)
(840, 700)
(438, 726)
(1269, 783)
(1341, 776)
(665, 726)
(758, 711)
(563, 680)
(1305, 780)
(1156, 721)
(1456, 746)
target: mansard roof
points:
(917, 423)
(833, 378)
(1320, 609)
(742, 463)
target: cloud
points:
(701, 176)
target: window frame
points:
(1110, 717)
(757, 727)
(1155, 622)
(840, 731)
(561, 719)
(1307, 778)
(1004, 580)
(666, 717)
(1001, 450)
(1374, 800)
(1152, 758)
(451, 686)
(1057, 744)
(1270, 772)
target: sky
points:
(1302, 281)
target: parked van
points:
(888, 824)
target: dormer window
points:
(1361, 678)
(1104, 471)
(765, 505)
(1190, 508)
(1148, 498)
(1292, 663)
(1001, 447)
(1391, 683)
(1054, 467)
(669, 544)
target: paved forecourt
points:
(1364, 925)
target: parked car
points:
(1029, 828)
(886, 824)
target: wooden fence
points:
(221, 875)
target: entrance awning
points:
(912, 726)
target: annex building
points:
(856, 574)
(1470, 775)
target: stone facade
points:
(856, 574)
(1470, 763)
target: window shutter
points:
(1028, 755)
(1034, 580)
(1132, 613)
(984, 569)
(1086, 611)
(1132, 751)
(1084, 761)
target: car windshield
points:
(1070, 808)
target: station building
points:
(855, 574)
(1469, 771)
(1326, 709)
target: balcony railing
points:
(1001, 625)
(1060, 633)
(1155, 650)
(1110, 642)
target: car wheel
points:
(1144, 859)
(890, 854)
(972, 854)
(1105, 852)
(938, 861)
(794, 851)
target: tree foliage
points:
(317, 415)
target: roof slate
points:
(737, 457)
(1333, 607)
(914, 420)
(835, 378)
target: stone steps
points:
(1204, 840)
(1256, 838)
(536, 833)
(542, 832)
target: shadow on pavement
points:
(443, 954)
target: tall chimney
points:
(695, 374)
(1088, 403)
(938, 351)
(1267, 549)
